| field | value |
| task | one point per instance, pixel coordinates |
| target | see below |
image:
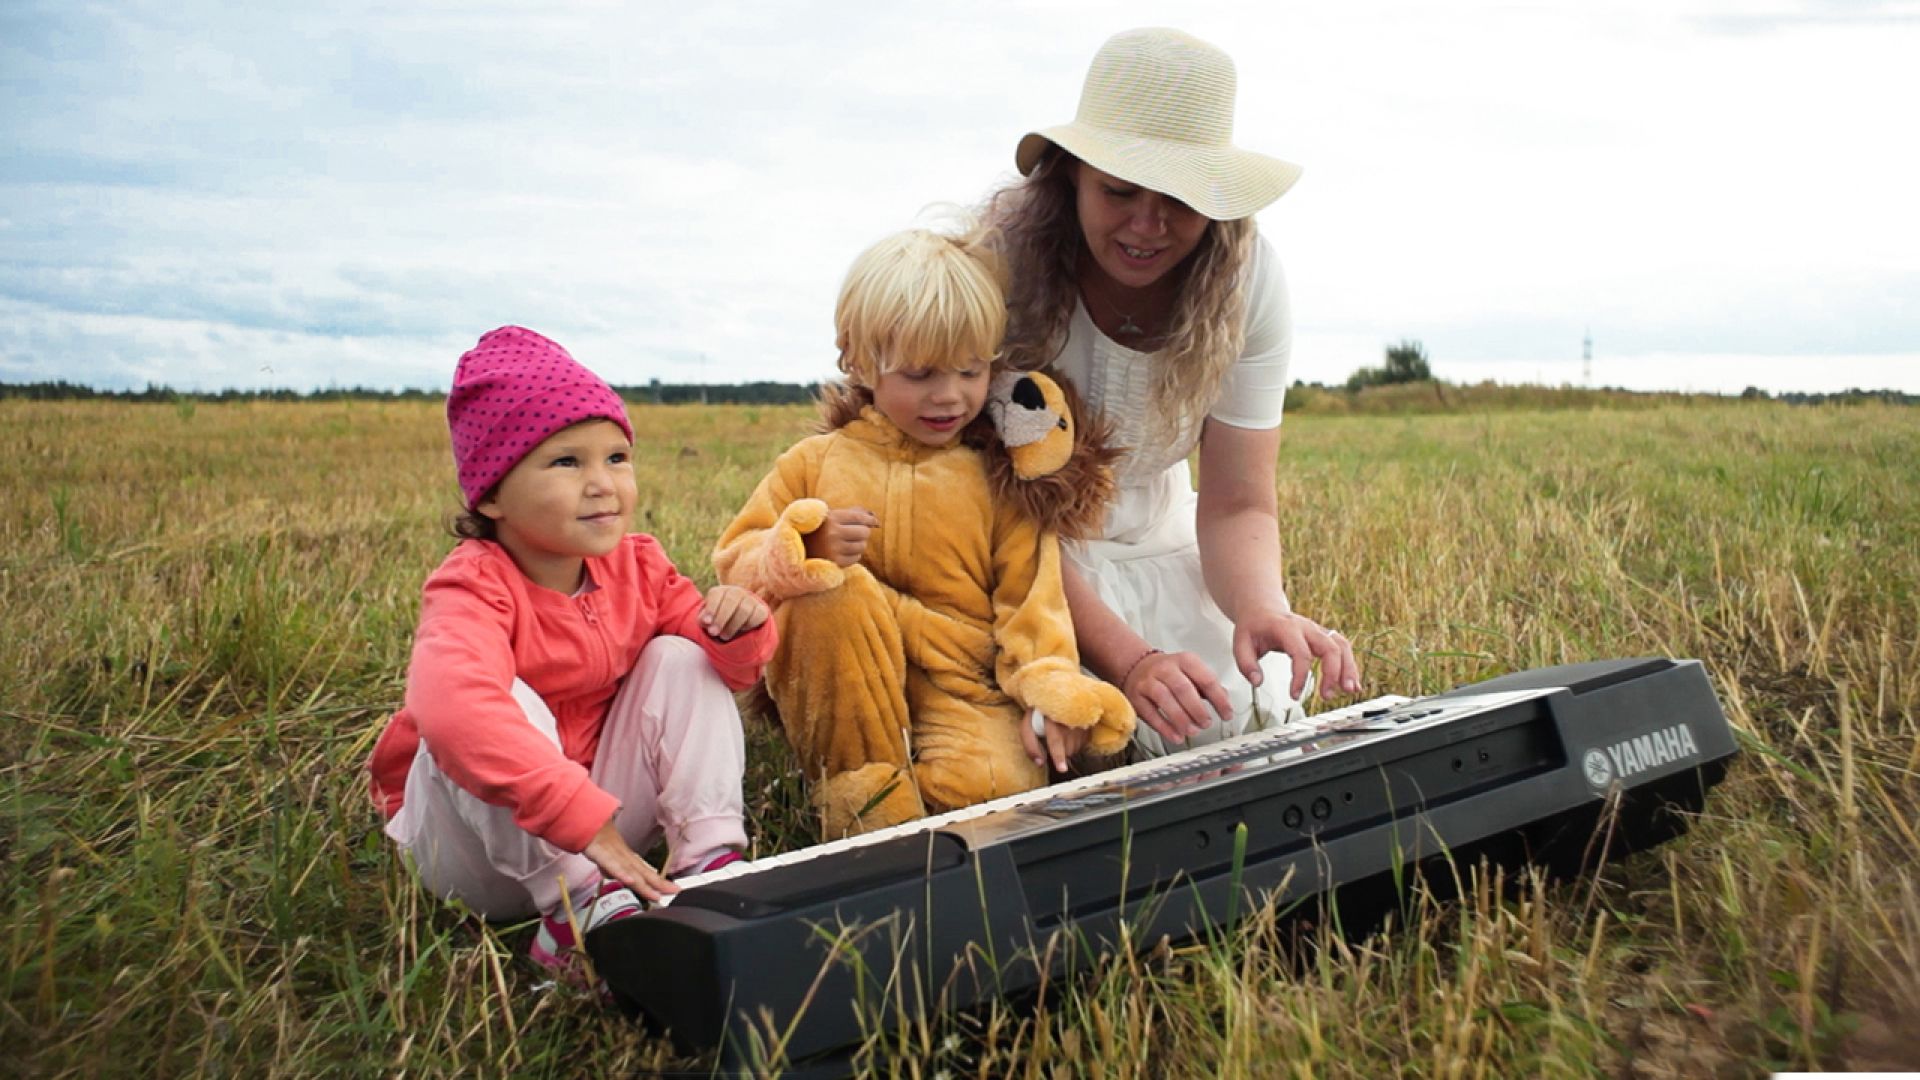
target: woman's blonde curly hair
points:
(1035, 226)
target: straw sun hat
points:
(1157, 110)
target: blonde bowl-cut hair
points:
(1034, 225)
(920, 299)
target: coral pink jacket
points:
(483, 624)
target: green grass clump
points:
(208, 614)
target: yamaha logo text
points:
(1629, 757)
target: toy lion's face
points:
(1030, 413)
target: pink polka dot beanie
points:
(510, 392)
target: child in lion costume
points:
(911, 552)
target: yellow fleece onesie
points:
(903, 681)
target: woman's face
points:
(1136, 236)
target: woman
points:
(1137, 274)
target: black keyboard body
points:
(1558, 767)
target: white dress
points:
(1146, 566)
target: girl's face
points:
(932, 404)
(571, 497)
(1136, 236)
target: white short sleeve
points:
(1254, 390)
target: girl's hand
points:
(1061, 743)
(609, 851)
(1304, 641)
(731, 610)
(1176, 694)
(842, 537)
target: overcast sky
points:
(209, 195)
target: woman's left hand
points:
(1304, 641)
(731, 610)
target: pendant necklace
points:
(1127, 327)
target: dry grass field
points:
(208, 610)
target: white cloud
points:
(353, 195)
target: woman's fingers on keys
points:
(1208, 686)
(1339, 671)
(1350, 669)
(1160, 712)
(1191, 703)
(1177, 695)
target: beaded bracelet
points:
(1131, 668)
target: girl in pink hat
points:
(1138, 276)
(569, 701)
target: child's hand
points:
(842, 537)
(1060, 741)
(609, 851)
(731, 610)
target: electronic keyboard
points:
(794, 956)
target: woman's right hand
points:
(842, 536)
(1176, 694)
(609, 851)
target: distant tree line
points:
(1406, 362)
(62, 390)
(1854, 396)
(752, 393)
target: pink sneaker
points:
(556, 948)
(726, 857)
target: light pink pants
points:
(671, 751)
